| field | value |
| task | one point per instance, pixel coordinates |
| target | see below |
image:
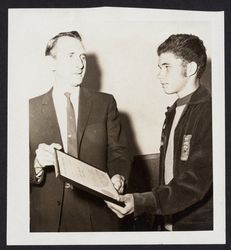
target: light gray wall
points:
(121, 60)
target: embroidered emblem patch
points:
(185, 149)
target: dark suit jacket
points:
(101, 143)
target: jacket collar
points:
(199, 96)
(84, 94)
(85, 106)
(47, 97)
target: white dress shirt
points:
(168, 173)
(60, 103)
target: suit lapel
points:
(85, 104)
(50, 118)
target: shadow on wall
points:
(144, 176)
(206, 78)
(130, 133)
(92, 79)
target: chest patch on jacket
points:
(185, 149)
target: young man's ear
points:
(191, 69)
(50, 61)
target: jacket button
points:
(59, 203)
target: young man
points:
(184, 194)
(86, 125)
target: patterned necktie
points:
(71, 128)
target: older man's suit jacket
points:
(101, 143)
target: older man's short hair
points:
(51, 44)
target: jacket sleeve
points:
(118, 155)
(35, 179)
(192, 184)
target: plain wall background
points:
(121, 60)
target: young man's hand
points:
(123, 211)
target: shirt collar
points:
(58, 93)
(184, 100)
(200, 95)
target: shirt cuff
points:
(144, 202)
(39, 171)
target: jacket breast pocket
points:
(96, 132)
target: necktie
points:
(71, 128)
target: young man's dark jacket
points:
(188, 196)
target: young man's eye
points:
(166, 67)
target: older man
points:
(84, 124)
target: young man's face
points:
(172, 74)
(69, 61)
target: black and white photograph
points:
(116, 125)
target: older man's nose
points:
(79, 62)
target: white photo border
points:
(18, 148)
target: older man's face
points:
(69, 61)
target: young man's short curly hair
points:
(51, 44)
(187, 47)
